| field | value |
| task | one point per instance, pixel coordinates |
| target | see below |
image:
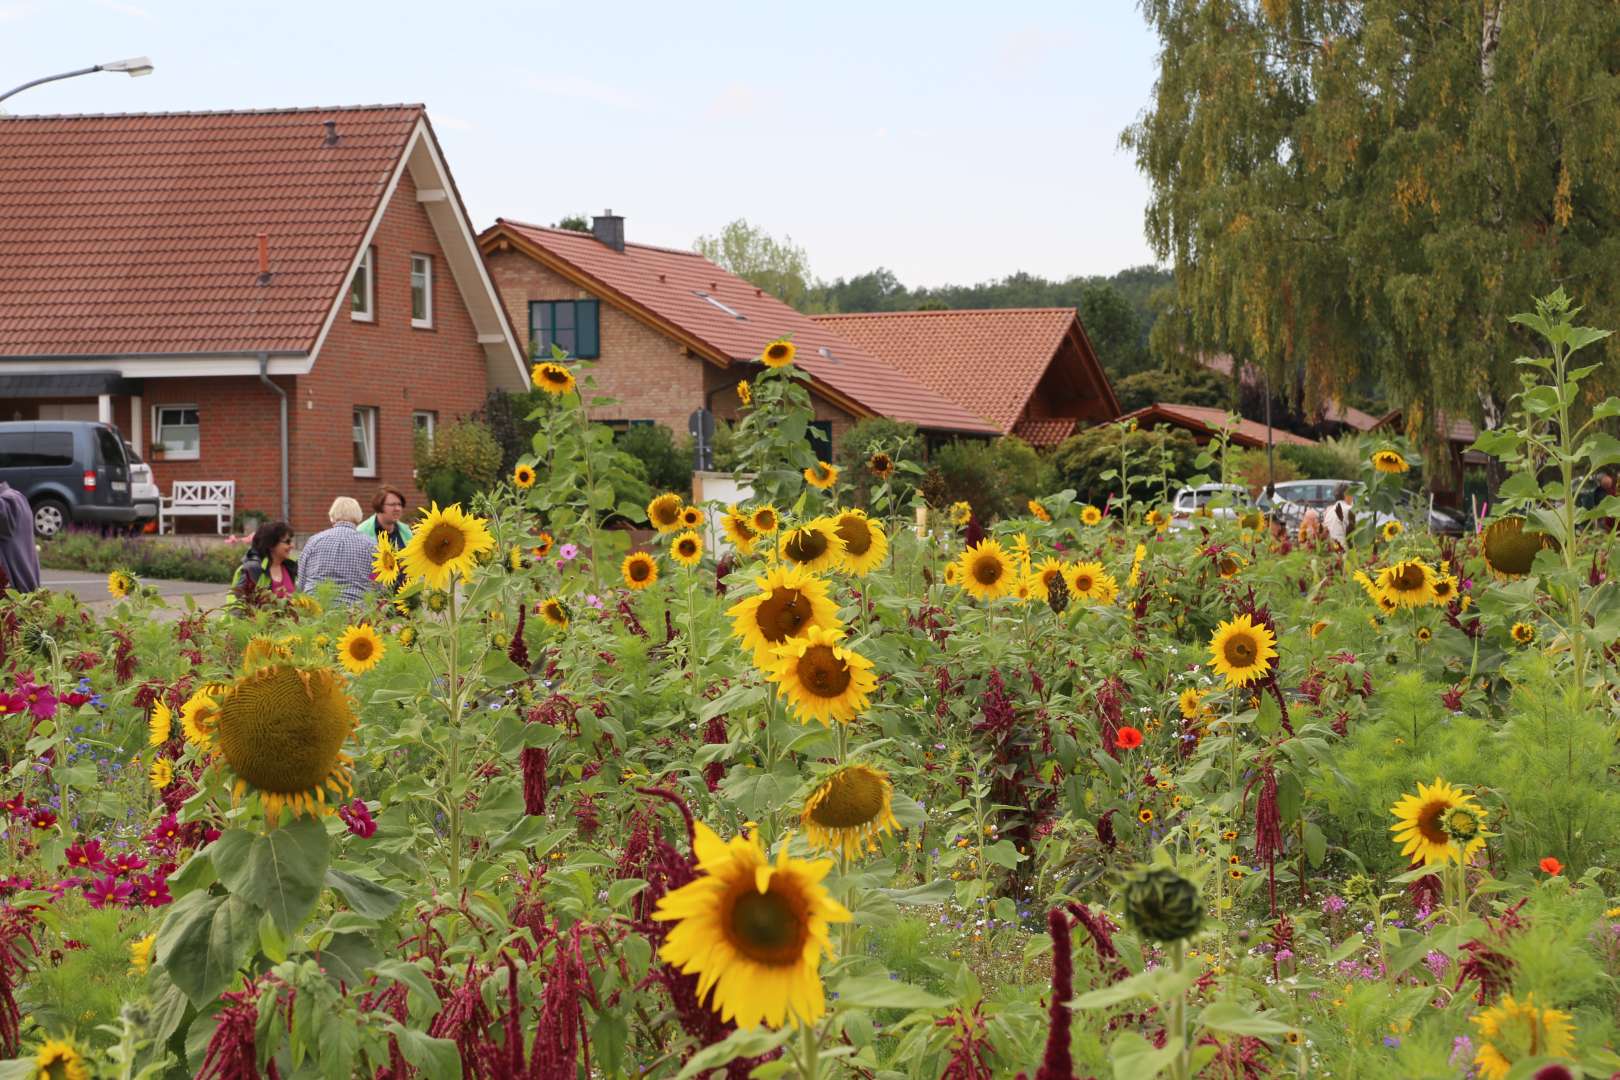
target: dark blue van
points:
(69, 470)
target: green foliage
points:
(176, 559)
(92, 981)
(1337, 458)
(998, 478)
(1114, 329)
(668, 464)
(509, 419)
(1178, 386)
(1084, 457)
(865, 438)
(462, 459)
(1250, 468)
(780, 267)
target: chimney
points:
(264, 259)
(608, 228)
(332, 137)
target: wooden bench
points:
(198, 498)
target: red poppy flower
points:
(1550, 865)
(1128, 738)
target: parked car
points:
(1295, 496)
(143, 490)
(1208, 500)
(69, 470)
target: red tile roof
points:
(1457, 431)
(1205, 420)
(130, 234)
(1045, 432)
(1350, 416)
(990, 360)
(730, 320)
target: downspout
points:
(264, 377)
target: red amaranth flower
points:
(231, 1053)
(518, 650)
(357, 816)
(1057, 1063)
(18, 949)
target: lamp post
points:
(134, 67)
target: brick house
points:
(1204, 423)
(185, 274)
(671, 332)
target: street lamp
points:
(134, 67)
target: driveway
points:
(91, 589)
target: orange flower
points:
(1551, 865)
(1127, 738)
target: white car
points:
(143, 493)
(1208, 500)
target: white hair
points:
(344, 509)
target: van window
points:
(53, 449)
(108, 449)
(15, 448)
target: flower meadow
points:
(806, 788)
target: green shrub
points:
(171, 560)
(507, 416)
(866, 437)
(1251, 469)
(997, 478)
(1083, 458)
(1330, 459)
(668, 462)
(462, 459)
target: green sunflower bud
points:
(1162, 905)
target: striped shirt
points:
(341, 555)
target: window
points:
(820, 435)
(422, 291)
(175, 432)
(424, 423)
(27, 450)
(733, 312)
(109, 450)
(365, 441)
(572, 325)
(363, 289)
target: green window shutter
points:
(586, 328)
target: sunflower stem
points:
(454, 769)
(1181, 1067)
(590, 494)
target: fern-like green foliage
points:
(90, 985)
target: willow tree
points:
(1350, 190)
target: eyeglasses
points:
(393, 505)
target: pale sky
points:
(951, 142)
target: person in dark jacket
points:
(268, 563)
(18, 556)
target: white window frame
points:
(158, 445)
(364, 423)
(430, 428)
(426, 261)
(368, 266)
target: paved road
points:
(92, 590)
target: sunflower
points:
(744, 394)
(815, 545)
(516, 560)
(385, 561)
(778, 353)
(140, 954)
(120, 583)
(446, 545)
(1509, 549)
(865, 545)
(1135, 576)
(554, 379)
(1106, 590)
(820, 678)
(821, 475)
(752, 932)
(664, 512)
(1090, 515)
(1389, 461)
(880, 465)
(849, 810)
(58, 1060)
(739, 533)
(961, 513)
(437, 601)
(1392, 529)
(764, 519)
(1228, 564)
(554, 611)
(1242, 650)
(407, 636)
(1424, 634)
(199, 716)
(1252, 520)
(523, 476)
(1085, 581)
(542, 545)
(985, 570)
(1523, 633)
(639, 570)
(1511, 1031)
(687, 548)
(359, 649)
(1444, 587)
(1040, 512)
(1191, 703)
(1409, 583)
(789, 603)
(281, 731)
(953, 573)
(1317, 627)
(1158, 520)
(1050, 572)
(159, 724)
(1422, 828)
(161, 774)
(693, 517)
(1144, 815)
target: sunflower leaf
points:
(283, 873)
(204, 940)
(882, 992)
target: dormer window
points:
(363, 289)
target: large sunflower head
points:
(821, 475)
(1510, 548)
(281, 731)
(739, 533)
(764, 519)
(693, 517)
(1241, 650)
(986, 571)
(446, 545)
(1191, 703)
(1428, 823)
(1389, 461)
(865, 545)
(815, 545)
(523, 476)
(778, 353)
(820, 678)
(359, 649)
(687, 548)
(1511, 1031)
(639, 570)
(752, 931)
(790, 601)
(1409, 583)
(385, 561)
(664, 512)
(849, 809)
(1444, 587)
(554, 611)
(553, 378)
(58, 1059)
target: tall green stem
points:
(1181, 1068)
(454, 771)
(590, 496)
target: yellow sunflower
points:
(953, 573)
(1523, 633)
(199, 716)
(1242, 650)
(1040, 512)
(1445, 588)
(1430, 824)
(664, 512)
(1048, 572)
(753, 932)
(542, 545)
(1510, 548)
(986, 571)
(880, 465)
(778, 353)
(739, 533)
(1409, 583)
(687, 548)
(555, 612)
(407, 636)
(961, 513)
(1086, 581)
(120, 583)
(57, 1059)
(359, 649)
(865, 545)
(1424, 634)
(1229, 564)
(815, 545)
(1317, 627)
(554, 379)
(848, 810)
(516, 560)
(161, 774)
(523, 476)
(790, 601)
(385, 561)
(693, 517)
(1392, 529)
(1191, 704)
(764, 519)
(1134, 578)
(820, 678)
(1158, 520)
(744, 393)
(140, 954)
(1389, 461)
(159, 725)
(281, 732)
(639, 570)
(1090, 515)
(1511, 1031)
(446, 545)
(821, 475)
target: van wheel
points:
(50, 517)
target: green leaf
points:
(366, 897)
(743, 1043)
(437, 1058)
(935, 892)
(622, 890)
(204, 940)
(1600, 450)
(882, 992)
(18, 1069)
(196, 873)
(282, 873)
(1003, 854)
(1134, 1058)
(1235, 1019)
(1521, 485)
(423, 1000)
(1315, 844)
(1347, 948)
(1161, 984)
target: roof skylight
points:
(733, 312)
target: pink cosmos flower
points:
(357, 816)
(568, 552)
(167, 832)
(108, 890)
(126, 862)
(86, 855)
(42, 819)
(150, 890)
(41, 701)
